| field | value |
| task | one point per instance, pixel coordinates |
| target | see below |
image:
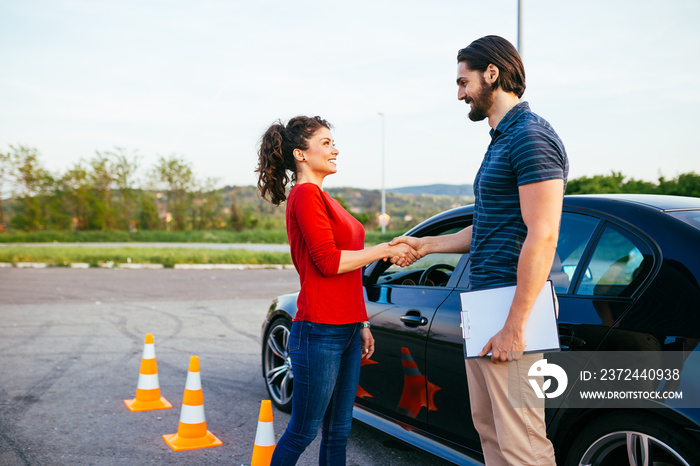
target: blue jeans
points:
(326, 369)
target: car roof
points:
(654, 201)
(613, 203)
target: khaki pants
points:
(515, 433)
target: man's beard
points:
(481, 103)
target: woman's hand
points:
(367, 343)
(404, 251)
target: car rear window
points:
(691, 217)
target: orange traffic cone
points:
(361, 392)
(192, 431)
(147, 389)
(264, 437)
(417, 392)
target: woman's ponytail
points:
(272, 166)
(276, 155)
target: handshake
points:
(404, 250)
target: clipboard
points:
(485, 311)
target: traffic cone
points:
(361, 392)
(264, 436)
(147, 389)
(192, 431)
(417, 392)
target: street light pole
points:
(520, 28)
(383, 215)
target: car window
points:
(433, 269)
(575, 233)
(619, 263)
(691, 217)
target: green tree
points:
(175, 177)
(149, 217)
(689, 184)
(365, 218)
(242, 213)
(53, 201)
(206, 204)
(686, 184)
(236, 219)
(639, 187)
(76, 182)
(598, 184)
(4, 176)
(30, 180)
(124, 171)
(102, 181)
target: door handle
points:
(414, 320)
(571, 342)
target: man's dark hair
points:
(495, 50)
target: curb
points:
(140, 266)
(231, 266)
(79, 265)
(132, 266)
(31, 265)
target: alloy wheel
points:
(277, 365)
(633, 448)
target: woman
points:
(330, 333)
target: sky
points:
(618, 80)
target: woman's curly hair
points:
(276, 154)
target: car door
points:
(603, 265)
(589, 252)
(401, 307)
(451, 417)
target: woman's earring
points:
(304, 159)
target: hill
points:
(451, 190)
(407, 208)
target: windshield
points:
(691, 217)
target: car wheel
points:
(632, 439)
(277, 366)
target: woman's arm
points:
(367, 343)
(311, 216)
(459, 242)
(351, 260)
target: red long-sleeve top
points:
(318, 228)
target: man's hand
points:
(507, 345)
(414, 243)
(402, 253)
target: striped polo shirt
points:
(524, 149)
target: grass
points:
(64, 256)
(275, 236)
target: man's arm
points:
(459, 242)
(352, 260)
(540, 205)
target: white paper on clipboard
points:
(485, 311)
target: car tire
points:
(277, 366)
(611, 440)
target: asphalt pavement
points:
(71, 342)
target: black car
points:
(626, 274)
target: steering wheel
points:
(426, 273)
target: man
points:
(518, 192)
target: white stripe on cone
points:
(148, 382)
(193, 382)
(265, 435)
(149, 351)
(192, 414)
